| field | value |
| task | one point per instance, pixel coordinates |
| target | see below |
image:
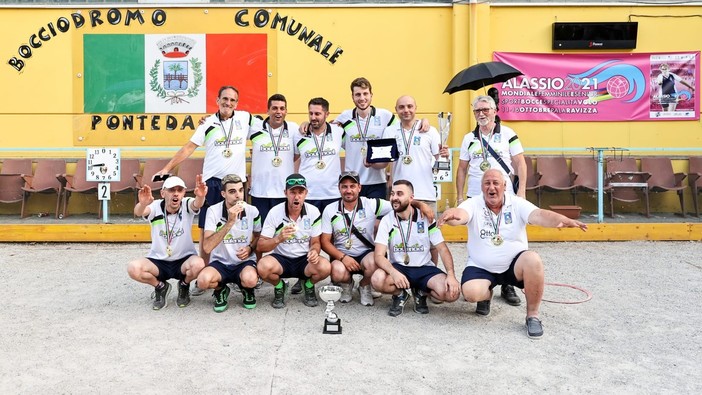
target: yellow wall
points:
(402, 50)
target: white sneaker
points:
(346, 292)
(375, 293)
(195, 291)
(366, 295)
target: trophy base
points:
(332, 328)
(442, 165)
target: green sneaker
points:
(160, 297)
(310, 299)
(279, 296)
(221, 299)
(249, 297)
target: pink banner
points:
(600, 87)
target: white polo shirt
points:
(367, 211)
(372, 127)
(422, 148)
(309, 225)
(179, 229)
(321, 183)
(481, 220)
(268, 180)
(422, 236)
(213, 136)
(240, 234)
(504, 142)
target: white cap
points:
(173, 181)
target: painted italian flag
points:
(172, 73)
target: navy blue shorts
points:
(169, 269)
(322, 203)
(358, 259)
(418, 277)
(373, 191)
(214, 196)
(292, 267)
(231, 273)
(508, 277)
(264, 205)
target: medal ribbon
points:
(363, 132)
(276, 145)
(484, 144)
(169, 232)
(496, 225)
(231, 126)
(320, 147)
(353, 216)
(405, 240)
(407, 141)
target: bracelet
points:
(342, 258)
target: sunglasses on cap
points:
(296, 181)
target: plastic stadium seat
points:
(44, 180)
(624, 180)
(663, 179)
(11, 179)
(554, 175)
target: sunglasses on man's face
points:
(296, 181)
(483, 110)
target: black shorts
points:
(373, 191)
(358, 259)
(292, 267)
(231, 273)
(264, 205)
(169, 269)
(508, 277)
(418, 277)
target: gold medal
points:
(277, 161)
(321, 165)
(348, 244)
(406, 260)
(363, 151)
(497, 240)
(484, 165)
(407, 159)
(169, 251)
(227, 153)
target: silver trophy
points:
(444, 126)
(332, 323)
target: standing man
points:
(172, 253)
(224, 136)
(232, 229)
(291, 232)
(319, 152)
(498, 249)
(505, 154)
(272, 156)
(406, 236)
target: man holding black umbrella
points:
(490, 146)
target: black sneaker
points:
(534, 328)
(183, 294)
(297, 288)
(221, 299)
(510, 295)
(249, 297)
(310, 299)
(279, 296)
(398, 304)
(161, 296)
(483, 308)
(420, 302)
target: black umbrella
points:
(480, 75)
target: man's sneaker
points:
(279, 296)
(366, 295)
(297, 288)
(398, 304)
(346, 292)
(249, 297)
(196, 291)
(510, 295)
(483, 308)
(259, 283)
(183, 294)
(221, 299)
(375, 293)
(420, 302)
(161, 296)
(310, 299)
(534, 328)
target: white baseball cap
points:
(173, 181)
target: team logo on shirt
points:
(306, 224)
(420, 227)
(497, 137)
(313, 152)
(400, 248)
(417, 140)
(508, 218)
(237, 123)
(295, 240)
(244, 223)
(229, 239)
(269, 147)
(177, 233)
(376, 120)
(234, 141)
(361, 213)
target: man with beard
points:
(498, 249)
(172, 253)
(476, 158)
(291, 233)
(407, 236)
(232, 229)
(347, 230)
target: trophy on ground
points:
(332, 323)
(444, 126)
